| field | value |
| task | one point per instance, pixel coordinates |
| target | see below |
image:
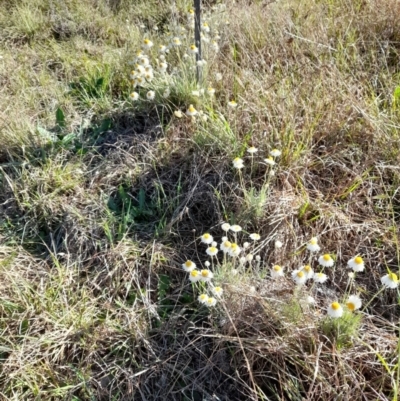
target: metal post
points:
(197, 39)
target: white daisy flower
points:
(269, 160)
(214, 244)
(163, 67)
(211, 91)
(235, 228)
(201, 63)
(309, 272)
(211, 301)
(326, 260)
(275, 153)
(238, 163)
(335, 310)
(255, 236)
(249, 257)
(206, 275)
(194, 276)
(217, 291)
(258, 258)
(188, 266)
(232, 104)
(176, 41)
(191, 111)
(252, 150)
(212, 251)
(299, 277)
(390, 280)
(353, 302)
(235, 250)
(205, 27)
(278, 244)
(178, 113)
(246, 245)
(313, 246)
(277, 271)
(356, 263)
(147, 43)
(202, 298)
(206, 238)
(214, 45)
(320, 278)
(161, 57)
(134, 96)
(150, 95)
(225, 246)
(162, 48)
(144, 61)
(204, 38)
(226, 227)
(193, 49)
(223, 239)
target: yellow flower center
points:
(270, 158)
(393, 277)
(320, 275)
(307, 268)
(205, 273)
(277, 268)
(191, 108)
(206, 236)
(188, 263)
(194, 273)
(234, 246)
(358, 260)
(203, 297)
(351, 306)
(300, 274)
(218, 290)
(146, 41)
(193, 47)
(335, 305)
(313, 241)
(227, 244)
(213, 249)
(327, 257)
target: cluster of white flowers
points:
(164, 57)
(238, 163)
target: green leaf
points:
(60, 118)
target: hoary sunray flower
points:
(202, 298)
(134, 96)
(326, 260)
(206, 275)
(335, 310)
(225, 246)
(320, 277)
(176, 41)
(299, 277)
(211, 91)
(356, 263)
(312, 245)
(277, 271)
(353, 302)
(270, 160)
(278, 244)
(211, 301)
(212, 250)
(235, 250)
(207, 238)
(205, 27)
(194, 276)
(214, 45)
(162, 48)
(147, 43)
(275, 153)
(235, 228)
(226, 226)
(204, 38)
(144, 61)
(255, 236)
(252, 150)
(217, 291)
(150, 95)
(163, 67)
(188, 266)
(309, 272)
(193, 49)
(390, 280)
(232, 104)
(238, 163)
(178, 113)
(191, 111)
(249, 257)
(246, 245)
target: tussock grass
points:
(103, 199)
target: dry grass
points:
(101, 205)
